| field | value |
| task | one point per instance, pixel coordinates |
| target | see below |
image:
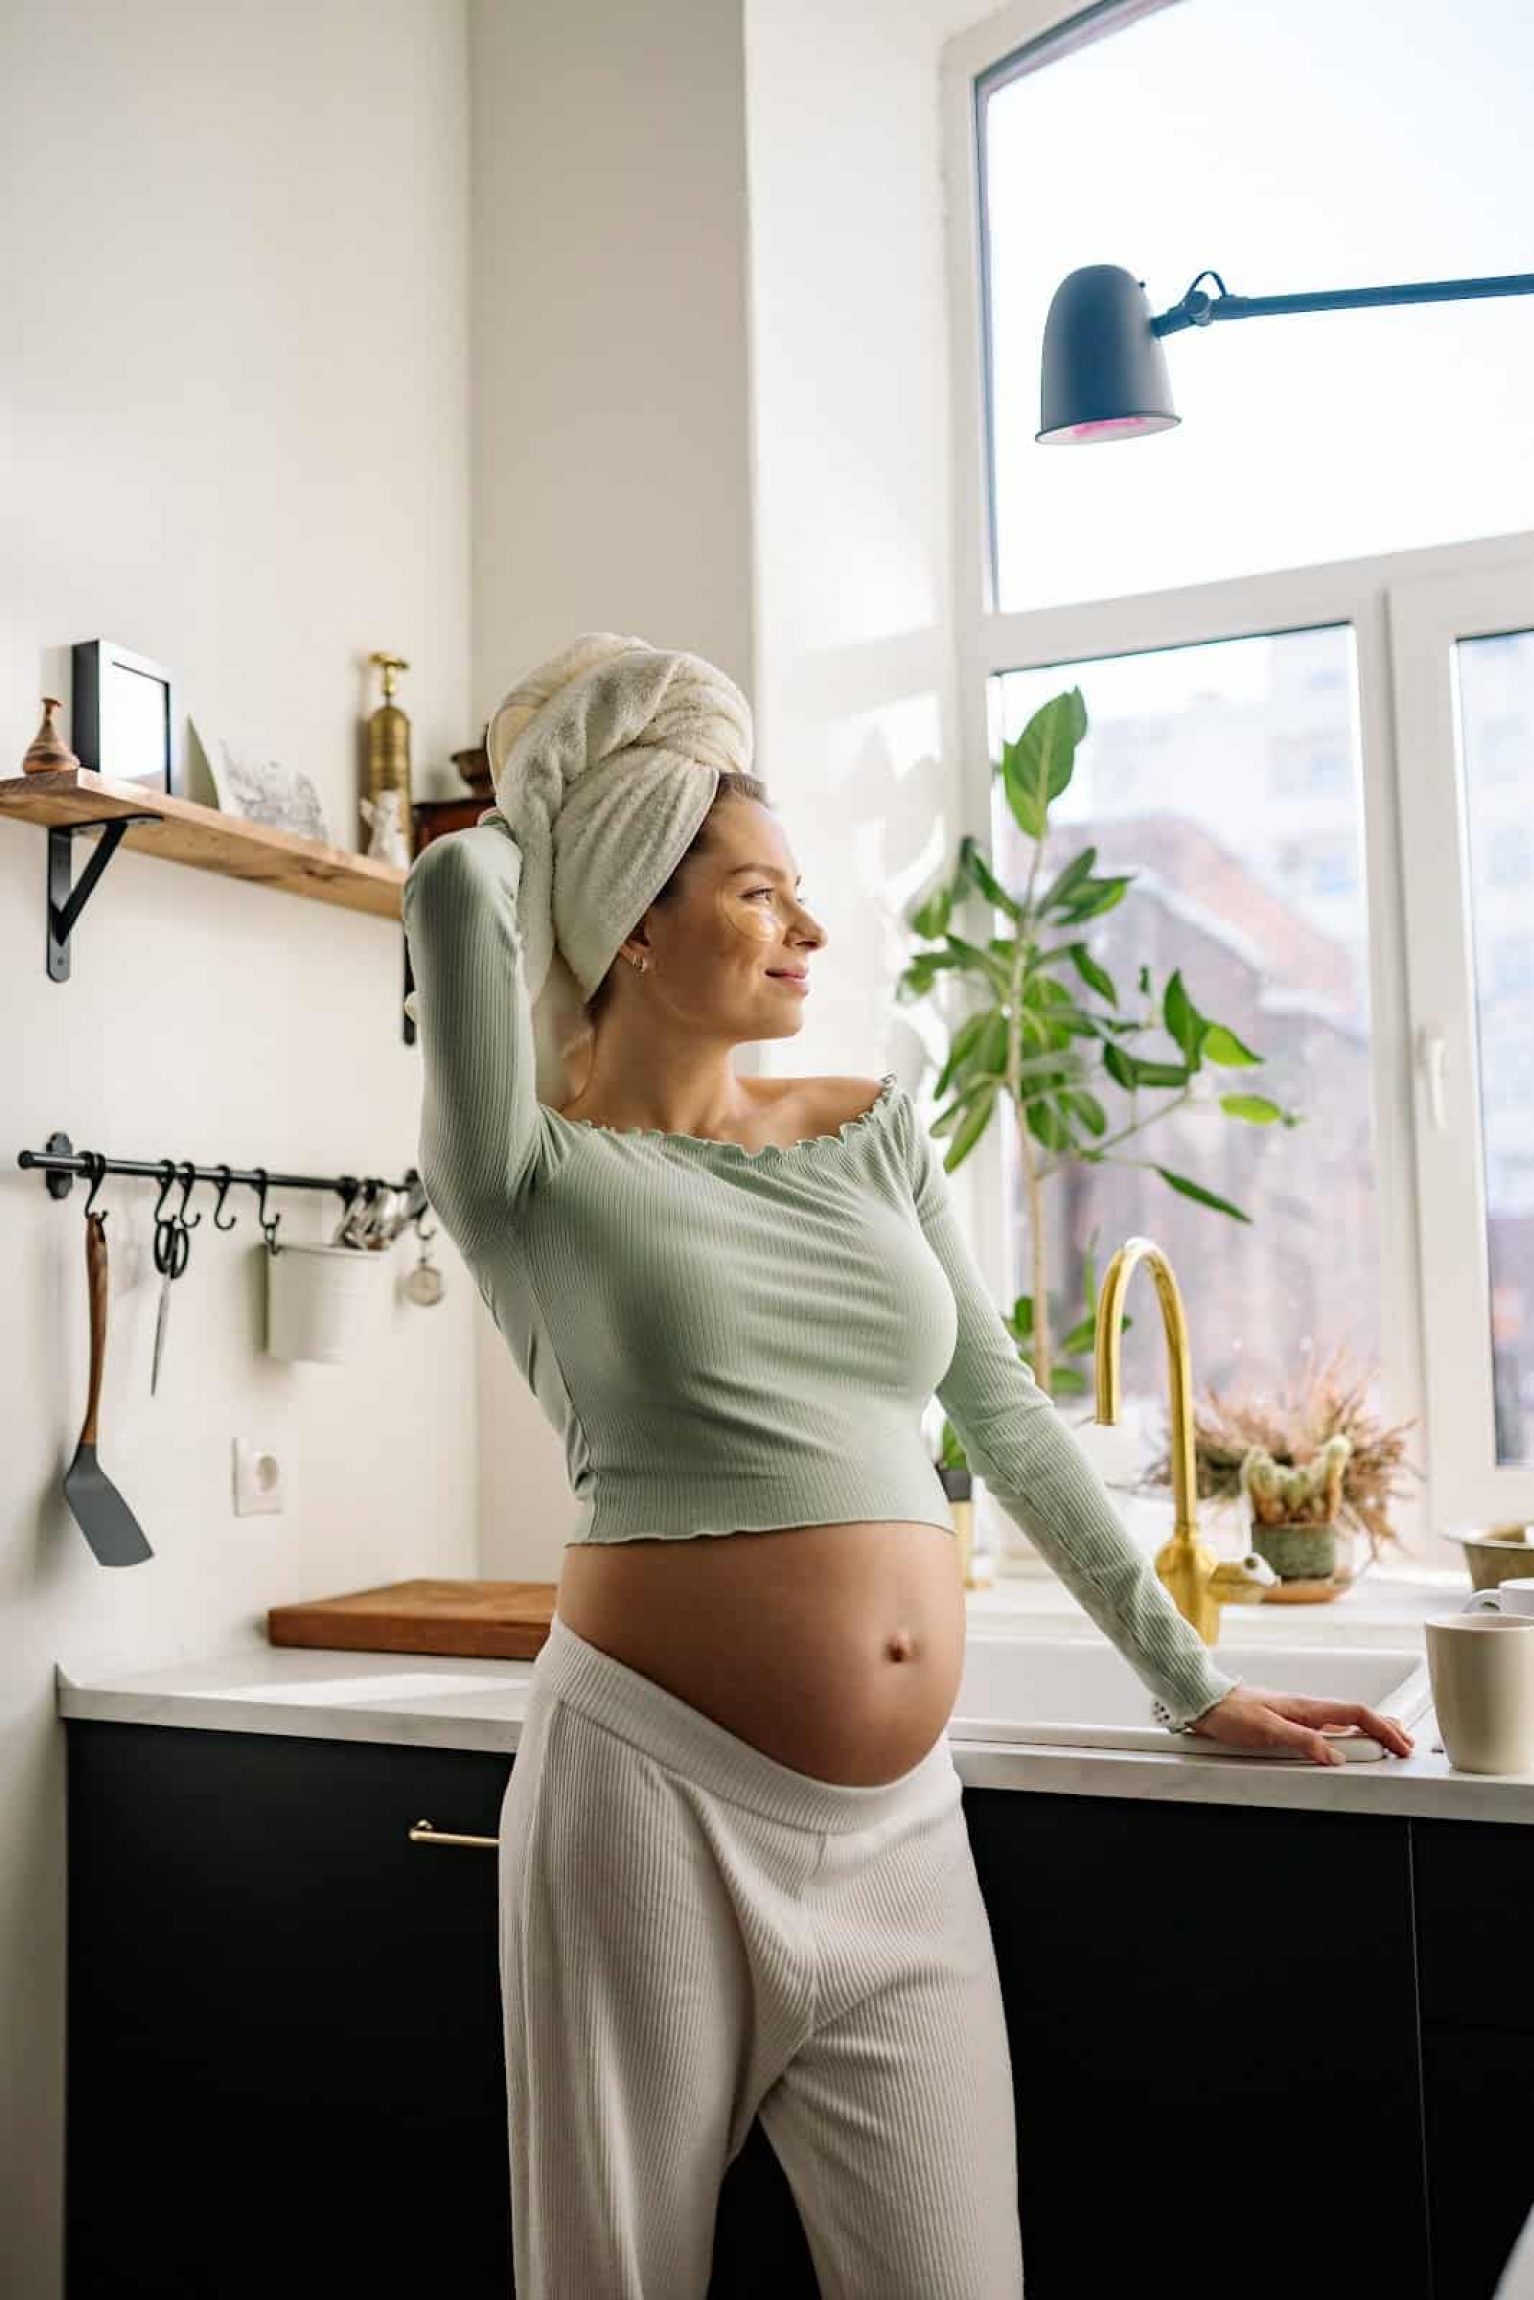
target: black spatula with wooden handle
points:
(104, 1518)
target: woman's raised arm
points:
(480, 1131)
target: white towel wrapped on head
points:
(605, 761)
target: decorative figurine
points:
(48, 753)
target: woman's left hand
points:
(1250, 1718)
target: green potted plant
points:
(1294, 1510)
(1049, 1033)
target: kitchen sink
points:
(1083, 1695)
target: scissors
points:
(172, 1245)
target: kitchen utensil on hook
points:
(381, 1222)
(351, 1230)
(425, 1283)
(108, 1524)
(412, 1206)
(172, 1246)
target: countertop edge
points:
(1423, 1786)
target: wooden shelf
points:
(208, 839)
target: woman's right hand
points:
(1250, 1718)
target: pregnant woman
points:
(735, 1876)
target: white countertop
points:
(251, 1686)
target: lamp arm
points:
(1198, 309)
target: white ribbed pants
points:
(693, 1934)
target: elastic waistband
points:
(675, 1734)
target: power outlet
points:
(258, 1480)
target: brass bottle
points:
(388, 763)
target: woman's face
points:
(716, 950)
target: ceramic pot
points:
(1297, 1552)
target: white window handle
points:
(1432, 1049)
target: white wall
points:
(855, 689)
(233, 436)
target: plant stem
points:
(1099, 1148)
(1043, 1348)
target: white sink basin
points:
(1084, 1695)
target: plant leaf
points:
(973, 959)
(1038, 766)
(1044, 1121)
(1182, 1018)
(1096, 896)
(1119, 1066)
(964, 1038)
(1204, 1197)
(974, 863)
(1061, 889)
(970, 1128)
(1255, 1108)
(1089, 1110)
(930, 918)
(1094, 976)
(1223, 1047)
(1160, 1073)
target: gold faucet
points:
(1199, 1584)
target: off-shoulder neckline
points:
(808, 1142)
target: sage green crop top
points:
(730, 1339)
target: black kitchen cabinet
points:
(1475, 1909)
(285, 2059)
(1212, 2020)
(285, 2067)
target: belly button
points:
(901, 1645)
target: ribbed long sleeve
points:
(480, 1135)
(1015, 1436)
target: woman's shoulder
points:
(825, 1103)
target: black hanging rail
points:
(61, 1162)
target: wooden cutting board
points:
(486, 1620)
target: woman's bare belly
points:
(836, 1649)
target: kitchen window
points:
(1309, 685)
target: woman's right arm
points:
(479, 1108)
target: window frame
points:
(1382, 597)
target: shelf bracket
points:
(64, 903)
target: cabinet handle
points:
(424, 1834)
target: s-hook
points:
(223, 1192)
(269, 1228)
(172, 1243)
(96, 1161)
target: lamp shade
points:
(1104, 373)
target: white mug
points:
(1515, 1595)
(1481, 1666)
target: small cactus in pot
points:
(1294, 1510)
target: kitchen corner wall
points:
(233, 437)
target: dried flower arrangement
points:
(1320, 1402)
